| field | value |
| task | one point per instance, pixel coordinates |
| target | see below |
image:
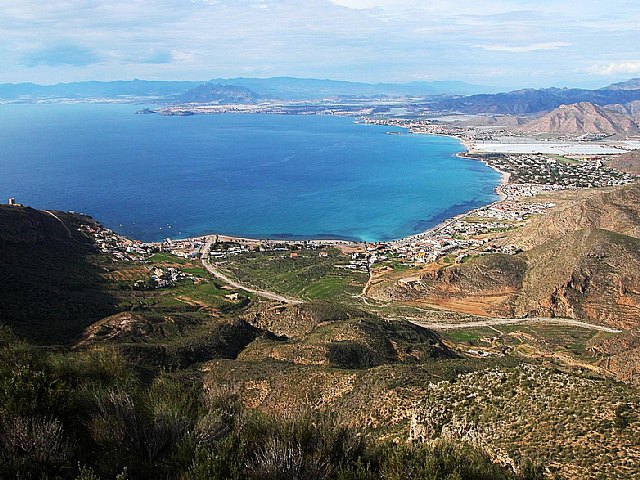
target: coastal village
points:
(524, 177)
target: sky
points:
(511, 44)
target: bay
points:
(151, 177)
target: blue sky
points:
(512, 44)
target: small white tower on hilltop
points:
(12, 201)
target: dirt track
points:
(204, 254)
(492, 322)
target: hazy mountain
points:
(220, 94)
(289, 88)
(633, 84)
(118, 90)
(285, 88)
(581, 118)
(531, 101)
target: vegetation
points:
(304, 275)
(88, 415)
(196, 380)
(579, 424)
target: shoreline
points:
(504, 180)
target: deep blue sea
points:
(152, 177)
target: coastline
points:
(504, 180)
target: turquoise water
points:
(152, 177)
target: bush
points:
(348, 354)
(89, 409)
(33, 447)
(142, 430)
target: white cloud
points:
(369, 40)
(616, 68)
(366, 4)
(533, 47)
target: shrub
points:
(33, 447)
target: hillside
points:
(116, 90)
(199, 380)
(588, 274)
(627, 162)
(582, 118)
(616, 209)
(51, 286)
(560, 414)
(581, 260)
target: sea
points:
(152, 177)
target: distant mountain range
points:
(117, 90)
(632, 84)
(531, 101)
(290, 88)
(279, 88)
(440, 96)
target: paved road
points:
(491, 322)
(204, 257)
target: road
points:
(63, 224)
(204, 257)
(492, 322)
(488, 322)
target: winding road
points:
(492, 322)
(204, 257)
(487, 322)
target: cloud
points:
(62, 55)
(366, 40)
(361, 4)
(153, 57)
(533, 47)
(616, 68)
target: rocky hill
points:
(582, 260)
(627, 162)
(490, 408)
(581, 118)
(615, 209)
(588, 274)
